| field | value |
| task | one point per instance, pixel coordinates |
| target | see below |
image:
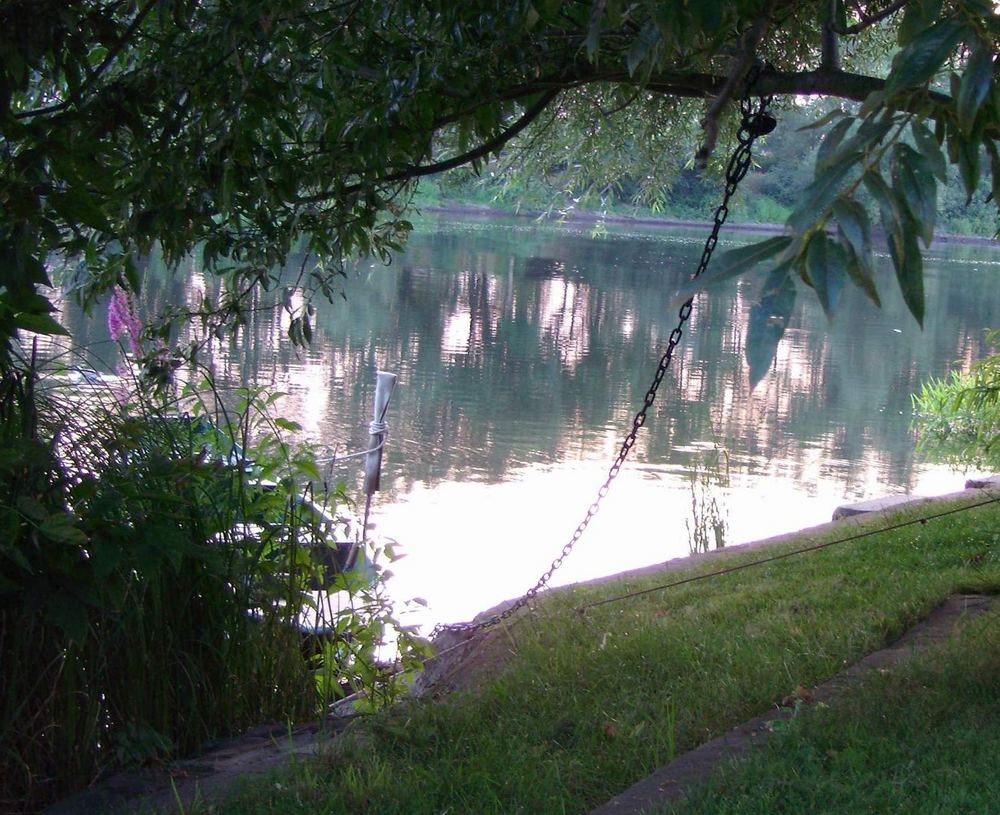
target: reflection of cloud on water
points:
(563, 319)
(457, 333)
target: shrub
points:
(958, 418)
(154, 568)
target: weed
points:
(708, 525)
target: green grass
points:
(921, 739)
(588, 704)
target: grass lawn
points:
(579, 706)
(921, 739)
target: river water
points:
(523, 349)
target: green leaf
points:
(976, 81)
(994, 155)
(77, 207)
(918, 16)
(820, 194)
(648, 38)
(910, 274)
(904, 250)
(859, 270)
(968, 163)
(826, 265)
(768, 320)
(286, 424)
(307, 467)
(132, 275)
(913, 182)
(61, 527)
(730, 264)
(891, 215)
(923, 56)
(31, 508)
(854, 225)
(929, 148)
(39, 324)
(873, 101)
(823, 121)
(593, 41)
(901, 235)
(831, 141)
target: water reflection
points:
(523, 351)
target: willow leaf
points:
(821, 193)
(831, 141)
(976, 81)
(924, 55)
(859, 270)
(855, 226)
(768, 320)
(914, 184)
(910, 274)
(823, 121)
(731, 263)
(826, 265)
(929, 148)
(968, 164)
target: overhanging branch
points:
(483, 150)
(823, 81)
(820, 82)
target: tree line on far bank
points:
(783, 167)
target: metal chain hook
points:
(755, 121)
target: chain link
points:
(755, 121)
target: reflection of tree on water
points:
(518, 345)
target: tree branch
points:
(819, 82)
(868, 20)
(487, 147)
(830, 59)
(484, 149)
(741, 66)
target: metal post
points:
(384, 385)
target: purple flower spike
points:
(122, 319)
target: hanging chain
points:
(755, 121)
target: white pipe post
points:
(384, 385)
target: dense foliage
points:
(237, 128)
(154, 570)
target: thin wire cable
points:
(334, 459)
(740, 567)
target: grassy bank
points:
(571, 708)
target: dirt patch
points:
(206, 776)
(463, 660)
(671, 781)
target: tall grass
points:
(150, 587)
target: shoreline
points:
(487, 212)
(884, 507)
